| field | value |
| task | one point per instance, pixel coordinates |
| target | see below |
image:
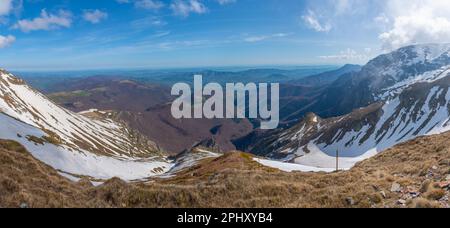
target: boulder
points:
(383, 194)
(350, 201)
(396, 187)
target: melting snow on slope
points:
(317, 158)
(82, 162)
(429, 76)
(21, 102)
(291, 167)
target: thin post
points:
(337, 160)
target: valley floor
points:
(413, 174)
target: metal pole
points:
(337, 160)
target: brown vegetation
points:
(235, 180)
(26, 182)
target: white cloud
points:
(185, 7)
(350, 55)
(149, 4)
(144, 4)
(5, 41)
(224, 2)
(146, 22)
(5, 7)
(94, 16)
(382, 20)
(396, 23)
(342, 6)
(46, 21)
(312, 21)
(161, 34)
(350, 7)
(325, 15)
(253, 39)
(416, 21)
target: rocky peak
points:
(312, 118)
(404, 63)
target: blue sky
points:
(101, 34)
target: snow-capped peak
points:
(408, 95)
(429, 52)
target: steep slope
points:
(417, 169)
(73, 143)
(27, 182)
(325, 78)
(359, 89)
(406, 105)
(146, 108)
(299, 96)
(176, 135)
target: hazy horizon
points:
(159, 34)
(183, 69)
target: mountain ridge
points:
(74, 143)
(416, 104)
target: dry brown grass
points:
(24, 181)
(235, 180)
(424, 203)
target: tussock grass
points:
(235, 180)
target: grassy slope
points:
(27, 182)
(235, 180)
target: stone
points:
(350, 201)
(434, 167)
(23, 205)
(447, 178)
(383, 194)
(444, 184)
(401, 202)
(396, 187)
(413, 192)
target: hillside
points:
(412, 174)
(80, 145)
(146, 108)
(27, 182)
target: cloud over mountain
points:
(397, 22)
(414, 21)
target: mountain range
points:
(394, 98)
(98, 128)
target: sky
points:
(109, 34)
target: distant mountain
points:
(146, 108)
(297, 97)
(50, 82)
(109, 93)
(326, 78)
(222, 77)
(407, 93)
